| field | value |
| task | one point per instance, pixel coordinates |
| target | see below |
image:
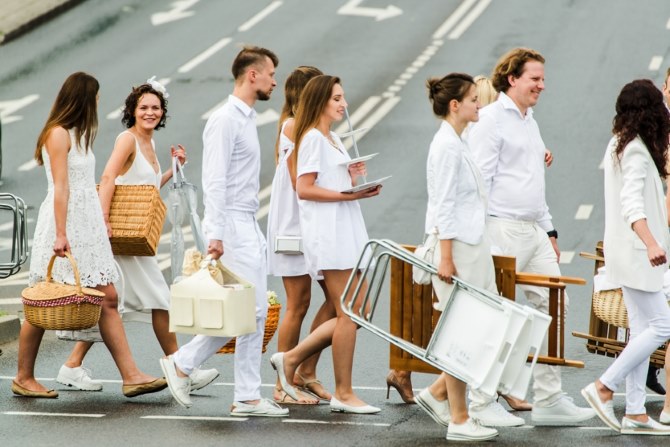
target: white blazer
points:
(633, 191)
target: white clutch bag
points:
(288, 245)
(200, 305)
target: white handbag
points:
(426, 252)
(200, 305)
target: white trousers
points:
(531, 247)
(244, 253)
(649, 320)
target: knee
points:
(662, 327)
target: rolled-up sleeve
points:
(218, 142)
(634, 166)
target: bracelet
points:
(553, 233)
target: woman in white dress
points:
(284, 220)
(333, 233)
(70, 220)
(145, 294)
(456, 215)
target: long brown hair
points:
(76, 108)
(311, 105)
(640, 111)
(293, 86)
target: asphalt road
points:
(592, 48)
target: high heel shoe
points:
(403, 385)
(517, 404)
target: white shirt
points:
(456, 200)
(509, 151)
(231, 164)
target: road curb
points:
(39, 17)
(9, 328)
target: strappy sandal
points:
(288, 400)
(307, 387)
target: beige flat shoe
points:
(21, 391)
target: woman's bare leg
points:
(160, 320)
(30, 339)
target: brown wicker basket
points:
(55, 306)
(608, 305)
(271, 323)
(136, 215)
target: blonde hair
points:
(485, 91)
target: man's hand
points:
(215, 248)
(554, 243)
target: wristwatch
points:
(552, 233)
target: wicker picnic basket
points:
(271, 323)
(136, 215)
(608, 305)
(55, 306)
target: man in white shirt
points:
(507, 146)
(230, 178)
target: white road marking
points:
(178, 11)
(196, 418)
(655, 63)
(246, 26)
(376, 117)
(453, 19)
(584, 212)
(70, 415)
(351, 8)
(267, 117)
(358, 115)
(116, 114)
(567, 257)
(202, 57)
(667, 25)
(602, 164)
(208, 113)
(27, 166)
(11, 106)
(314, 421)
(469, 19)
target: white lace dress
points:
(85, 226)
(144, 287)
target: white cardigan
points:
(633, 191)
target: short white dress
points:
(144, 287)
(85, 226)
(333, 233)
(284, 215)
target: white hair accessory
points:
(158, 86)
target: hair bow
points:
(158, 86)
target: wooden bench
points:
(413, 317)
(603, 338)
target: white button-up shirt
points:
(231, 164)
(456, 199)
(509, 151)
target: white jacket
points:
(633, 191)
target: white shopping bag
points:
(201, 305)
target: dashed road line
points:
(655, 63)
(202, 57)
(469, 19)
(196, 418)
(70, 415)
(246, 26)
(453, 19)
(315, 421)
(567, 257)
(584, 212)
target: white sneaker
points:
(664, 418)
(494, 415)
(604, 410)
(264, 408)
(436, 409)
(180, 387)
(561, 412)
(651, 427)
(200, 378)
(79, 378)
(470, 430)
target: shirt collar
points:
(509, 104)
(449, 129)
(242, 106)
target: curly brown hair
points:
(512, 63)
(640, 111)
(128, 118)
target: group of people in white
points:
(486, 193)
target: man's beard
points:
(263, 96)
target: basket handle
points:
(74, 268)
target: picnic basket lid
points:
(50, 290)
